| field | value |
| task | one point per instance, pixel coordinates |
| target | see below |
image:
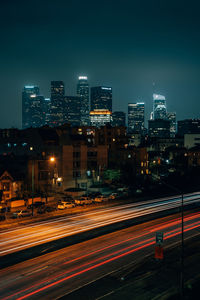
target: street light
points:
(52, 160)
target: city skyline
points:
(121, 46)
(76, 109)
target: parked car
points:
(64, 205)
(101, 198)
(50, 208)
(65, 199)
(83, 200)
(113, 196)
(21, 213)
(4, 209)
(93, 195)
(41, 209)
(36, 204)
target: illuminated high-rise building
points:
(159, 107)
(83, 92)
(37, 116)
(72, 110)
(171, 116)
(29, 93)
(57, 103)
(101, 98)
(136, 117)
(47, 111)
(100, 117)
(118, 118)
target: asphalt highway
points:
(13, 240)
(64, 271)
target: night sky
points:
(127, 44)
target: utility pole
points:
(182, 234)
(33, 173)
(182, 250)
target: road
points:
(13, 240)
(61, 272)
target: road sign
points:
(159, 252)
(159, 238)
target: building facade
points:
(118, 118)
(159, 107)
(83, 165)
(37, 116)
(57, 103)
(100, 117)
(101, 98)
(191, 140)
(188, 126)
(29, 93)
(171, 116)
(136, 117)
(83, 92)
(72, 110)
(159, 128)
(47, 111)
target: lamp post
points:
(51, 160)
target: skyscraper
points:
(29, 93)
(101, 98)
(57, 103)
(47, 110)
(100, 117)
(37, 116)
(118, 118)
(171, 116)
(159, 107)
(72, 110)
(83, 92)
(136, 117)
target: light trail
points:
(110, 217)
(108, 257)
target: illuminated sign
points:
(158, 97)
(106, 88)
(100, 112)
(82, 78)
(29, 86)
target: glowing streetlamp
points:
(52, 159)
